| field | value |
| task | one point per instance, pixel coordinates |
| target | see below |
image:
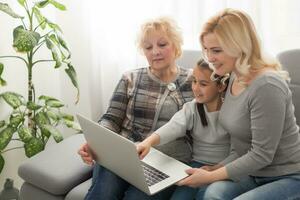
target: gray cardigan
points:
(261, 122)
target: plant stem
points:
(39, 46)
(38, 61)
(12, 149)
(15, 57)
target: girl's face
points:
(222, 62)
(159, 50)
(205, 90)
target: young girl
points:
(210, 143)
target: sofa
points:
(58, 172)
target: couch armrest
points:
(58, 168)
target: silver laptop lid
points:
(123, 160)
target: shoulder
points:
(132, 74)
(269, 82)
(185, 76)
(191, 105)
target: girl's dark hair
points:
(219, 80)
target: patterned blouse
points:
(141, 103)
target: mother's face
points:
(222, 62)
(159, 50)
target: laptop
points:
(154, 173)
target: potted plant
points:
(35, 119)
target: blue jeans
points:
(253, 188)
(108, 186)
(185, 192)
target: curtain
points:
(110, 29)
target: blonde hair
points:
(168, 26)
(237, 36)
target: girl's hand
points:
(86, 154)
(143, 149)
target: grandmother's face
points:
(159, 50)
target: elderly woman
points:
(144, 100)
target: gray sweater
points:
(211, 144)
(264, 135)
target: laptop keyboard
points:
(153, 175)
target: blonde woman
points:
(258, 113)
(144, 100)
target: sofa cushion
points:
(57, 169)
(30, 192)
(79, 192)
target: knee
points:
(215, 191)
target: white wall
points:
(47, 80)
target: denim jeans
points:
(185, 192)
(108, 186)
(252, 188)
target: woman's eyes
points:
(216, 50)
(160, 45)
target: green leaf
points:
(72, 124)
(53, 26)
(55, 55)
(24, 134)
(67, 116)
(2, 123)
(52, 115)
(22, 2)
(2, 162)
(46, 98)
(40, 18)
(32, 106)
(1, 68)
(15, 120)
(42, 4)
(45, 132)
(5, 136)
(54, 132)
(54, 103)
(62, 43)
(33, 146)
(2, 81)
(13, 99)
(42, 119)
(5, 8)
(24, 40)
(58, 5)
(72, 75)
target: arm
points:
(175, 128)
(178, 124)
(115, 114)
(112, 119)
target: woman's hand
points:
(199, 177)
(86, 154)
(211, 168)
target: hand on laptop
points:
(86, 154)
(143, 148)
